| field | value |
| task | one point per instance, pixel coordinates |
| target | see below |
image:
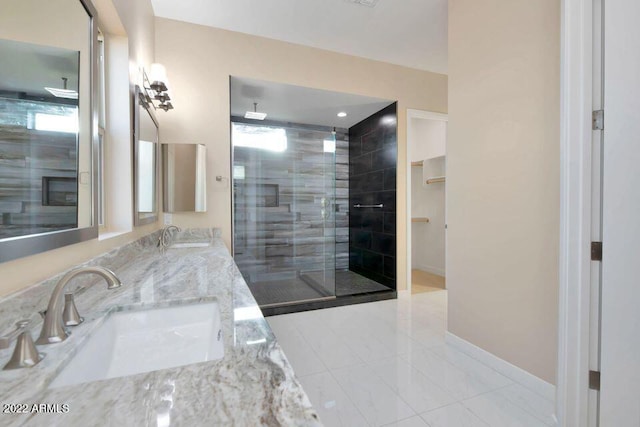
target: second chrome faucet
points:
(165, 234)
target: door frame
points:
(576, 97)
(428, 115)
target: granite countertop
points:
(253, 384)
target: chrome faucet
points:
(52, 328)
(163, 240)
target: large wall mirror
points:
(146, 152)
(47, 125)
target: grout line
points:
(536, 416)
(527, 410)
(472, 356)
(456, 403)
(349, 397)
(464, 371)
(404, 419)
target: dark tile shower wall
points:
(373, 153)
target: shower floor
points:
(349, 283)
(308, 287)
(284, 291)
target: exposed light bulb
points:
(158, 73)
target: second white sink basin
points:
(148, 340)
(190, 245)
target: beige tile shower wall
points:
(199, 61)
(503, 178)
(138, 21)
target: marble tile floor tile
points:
(387, 364)
(333, 405)
(455, 415)
(416, 421)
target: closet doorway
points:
(426, 192)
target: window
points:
(114, 192)
(260, 137)
(67, 123)
(101, 130)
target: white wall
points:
(503, 179)
(429, 138)
(139, 22)
(118, 170)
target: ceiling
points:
(29, 68)
(411, 33)
(296, 104)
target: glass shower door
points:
(284, 219)
(327, 214)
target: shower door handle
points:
(324, 212)
(359, 206)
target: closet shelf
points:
(419, 219)
(435, 179)
(420, 163)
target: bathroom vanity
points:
(243, 379)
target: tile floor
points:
(386, 364)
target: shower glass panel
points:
(284, 211)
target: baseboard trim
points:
(510, 371)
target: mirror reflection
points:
(39, 88)
(184, 168)
(146, 155)
(47, 65)
(146, 168)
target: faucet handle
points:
(70, 315)
(78, 291)
(11, 334)
(25, 354)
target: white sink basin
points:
(148, 340)
(190, 245)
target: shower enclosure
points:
(284, 182)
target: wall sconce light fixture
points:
(156, 88)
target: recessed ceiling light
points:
(389, 120)
(342, 114)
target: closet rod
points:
(435, 179)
